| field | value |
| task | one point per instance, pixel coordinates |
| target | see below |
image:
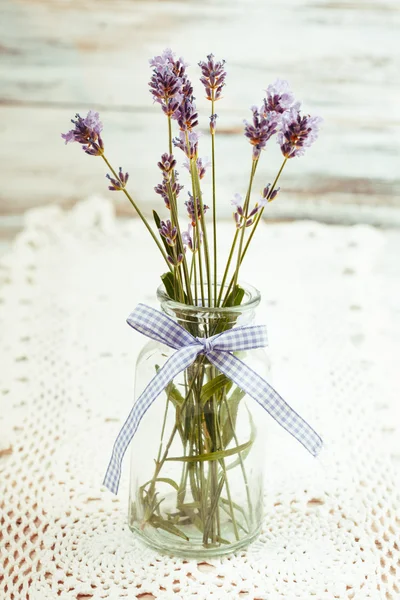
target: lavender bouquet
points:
(196, 488)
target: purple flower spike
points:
(260, 130)
(186, 115)
(237, 201)
(213, 77)
(168, 232)
(279, 98)
(191, 209)
(165, 88)
(241, 219)
(180, 142)
(298, 133)
(167, 162)
(165, 60)
(202, 166)
(274, 194)
(86, 132)
(169, 84)
(175, 261)
(187, 237)
(213, 123)
(167, 187)
(268, 195)
(118, 184)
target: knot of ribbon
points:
(207, 344)
(219, 350)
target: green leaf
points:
(174, 394)
(163, 480)
(160, 523)
(157, 221)
(231, 503)
(190, 505)
(211, 387)
(218, 455)
(222, 540)
(245, 452)
(168, 281)
(235, 297)
(229, 423)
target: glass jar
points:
(196, 486)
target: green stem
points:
(175, 222)
(196, 299)
(195, 174)
(254, 228)
(228, 410)
(139, 212)
(170, 134)
(232, 250)
(228, 264)
(196, 229)
(243, 231)
(160, 462)
(156, 472)
(214, 202)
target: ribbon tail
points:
(254, 385)
(179, 361)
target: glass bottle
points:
(197, 466)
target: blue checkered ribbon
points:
(218, 349)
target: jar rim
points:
(252, 299)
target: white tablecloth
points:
(331, 304)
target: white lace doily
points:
(331, 303)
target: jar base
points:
(189, 550)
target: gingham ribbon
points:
(218, 349)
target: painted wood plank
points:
(342, 58)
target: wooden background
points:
(341, 57)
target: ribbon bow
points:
(218, 349)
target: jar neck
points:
(205, 321)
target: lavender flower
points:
(165, 88)
(166, 82)
(268, 195)
(180, 142)
(168, 231)
(86, 132)
(186, 115)
(191, 209)
(261, 129)
(279, 98)
(202, 166)
(165, 60)
(213, 77)
(241, 219)
(298, 133)
(213, 123)
(237, 201)
(169, 84)
(168, 60)
(166, 187)
(175, 261)
(167, 162)
(187, 237)
(120, 183)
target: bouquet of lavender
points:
(201, 493)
